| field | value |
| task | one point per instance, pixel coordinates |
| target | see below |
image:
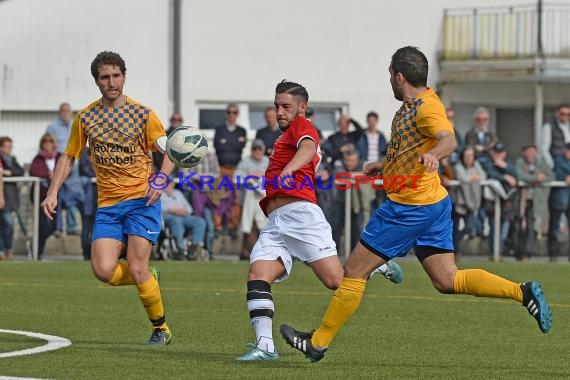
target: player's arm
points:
(372, 169)
(305, 154)
(446, 144)
(62, 170)
(156, 138)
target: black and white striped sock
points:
(260, 306)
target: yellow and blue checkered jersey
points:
(119, 142)
(414, 130)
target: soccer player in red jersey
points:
(297, 226)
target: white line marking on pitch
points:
(53, 343)
(18, 378)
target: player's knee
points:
(103, 273)
(443, 286)
(333, 282)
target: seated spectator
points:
(534, 171)
(11, 168)
(559, 202)
(480, 137)
(177, 214)
(501, 170)
(198, 198)
(43, 166)
(334, 144)
(86, 174)
(350, 163)
(252, 217)
(270, 132)
(467, 196)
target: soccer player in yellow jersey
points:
(120, 133)
(416, 216)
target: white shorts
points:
(298, 229)
(251, 212)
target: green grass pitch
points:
(400, 331)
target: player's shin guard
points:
(344, 303)
(260, 306)
(149, 294)
(480, 283)
(121, 275)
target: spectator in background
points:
(177, 214)
(350, 163)
(199, 199)
(176, 121)
(252, 217)
(310, 114)
(480, 137)
(454, 157)
(10, 168)
(43, 166)
(555, 134)
(372, 144)
(86, 174)
(501, 170)
(270, 132)
(467, 197)
(559, 202)
(2, 203)
(337, 140)
(229, 141)
(534, 171)
(60, 129)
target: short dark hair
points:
(107, 58)
(412, 64)
(292, 88)
(562, 105)
(372, 113)
(5, 139)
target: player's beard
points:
(397, 93)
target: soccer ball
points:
(186, 146)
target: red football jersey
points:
(284, 149)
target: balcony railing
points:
(507, 32)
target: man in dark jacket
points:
(502, 170)
(229, 141)
(11, 168)
(559, 201)
(337, 140)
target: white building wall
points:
(232, 50)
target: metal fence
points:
(507, 32)
(496, 215)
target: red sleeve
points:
(302, 128)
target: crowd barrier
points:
(497, 192)
(33, 253)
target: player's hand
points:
(153, 195)
(2, 202)
(286, 179)
(430, 161)
(49, 206)
(372, 169)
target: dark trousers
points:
(553, 227)
(524, 233)
(337, 219)
(46, 229)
